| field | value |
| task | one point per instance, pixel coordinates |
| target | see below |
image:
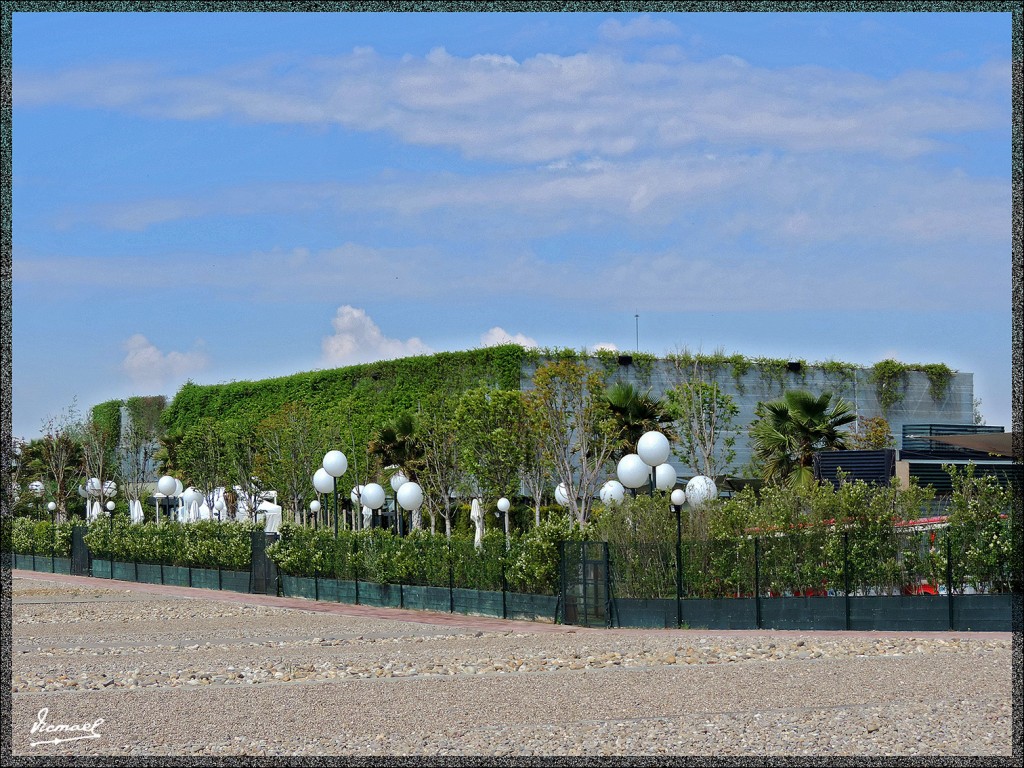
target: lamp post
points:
(700, 489)
(37, 488)
(504, 505)
(324, 483)
(612, 492)
(410, 496)
(632, 472)
(398, 479)
(110, 518)
(166, 485)
(220, 507)
(653, 449)
(335, 464)
(373, 497)
(314, 510)
(678, 499)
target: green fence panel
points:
(654, 613)
(528, 607)
(719, 613)
(149, 573)
(477, 602)
(298, 586)
(101, 569)
(124, 571)
(176, 575)
(827, 613)
(62, 565)
(24, 562)
(380, 595)
(983, 613)
(235, 581)
(205, 578)
(337, 591)
(426, 598)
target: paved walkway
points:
(462, 621)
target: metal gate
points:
(584, 583)
(81, 560)
(263, 578)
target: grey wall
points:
(917, 406)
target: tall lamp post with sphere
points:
(410, 497)
(336, 465)
(653, 449)
(678, 499)
(167, 485)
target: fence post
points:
(846, 576)
(355, 562)
(949, 578)
(757, 582)
(504, 588)
(607, 585)
(451, 580)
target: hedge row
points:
(527, 562)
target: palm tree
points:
(788, 432)
(635, 413)
(396, 444)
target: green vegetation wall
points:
(355, 400)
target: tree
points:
(634, 413)
(61, 458)
(489, 424)
(98, 447)
(137, 448)
(706, 419)
(787, 433)
(288, 453)
(534, 473)
(396, 444)
(871, 433)
(201, 458)
(577, 430)
(442, 466)
(241, 451)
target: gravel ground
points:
(193, 676)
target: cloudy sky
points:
(234, 196)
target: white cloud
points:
(357, 339)
(549, 107)
(147, 366)
(604, 345)
(497, 335)
(641, 27)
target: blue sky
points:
(234, 196)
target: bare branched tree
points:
(706, 419)
(62, 457)
(576, 429)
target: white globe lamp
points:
(323, 481)
(335, 463)
(561, 496)
(632, 471)
(410, 496)
(653, 448)
(612, 492)
(373, 496)
(665, 476)
(167, 485)
(701, 489)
